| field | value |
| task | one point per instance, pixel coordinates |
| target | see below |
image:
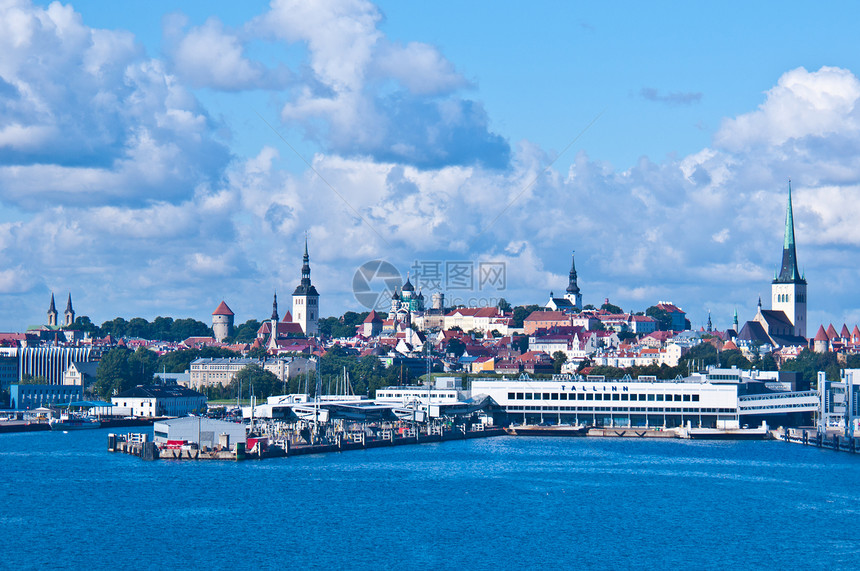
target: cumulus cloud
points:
(367, 95)
(127, 198)
(87, 117)
(802, 105)
(212, 56)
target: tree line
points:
(121, 369)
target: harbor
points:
(278, 440)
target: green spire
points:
(789, 223)
(789, 272)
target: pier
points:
(140, 445)
(810, 437)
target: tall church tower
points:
(52, 313)
(306, 300)
(69, 314)
(788, 290)
(573, 295)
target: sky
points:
(159, 157)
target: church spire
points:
(788, 272)
(275, 308)
(572, 287)
(306, 266)
(52, 313)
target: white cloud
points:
(134, 205)
(212, 56)
(86, 117)
(419, 67)
(802, 104)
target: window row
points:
(605, 396)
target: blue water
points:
(498, 503)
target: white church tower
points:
(306, 300)
(788, 290)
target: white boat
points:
(74, 422)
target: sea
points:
(496, 503)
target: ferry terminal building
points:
(720, 398)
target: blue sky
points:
(146, 162)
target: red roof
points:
(821, 335)
(831, 332)
(288, 318)
(845, 334)
(669, 307)
(548, 316)
(372, 317)
(222, 309)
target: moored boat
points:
(546, 430)
(74, 422)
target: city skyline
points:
(154, 161)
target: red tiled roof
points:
(845, 334)
(670, 307)
(288, 318)
(372, 317)
(831, 332)
(822, 334)
(548, 316)
(222, 309)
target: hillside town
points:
(71, 358)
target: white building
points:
(209, 371)
(159, 400)
(599, 402)
(203, 431)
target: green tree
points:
(31, 380)
(247, 332)
(661, 316)
(698, 357)
(256, 379)
(180, 361)
(808, 363)
(455, 347)
(258, 352)
(503, 304)
(520, 343)
(734, 358)
(141, 366)
(521, 312)
(83, 323)
(559, 358)
(113, 375)
(115, 327)
(139, 327)
(611, 308)
(160, 328)
(184, 328)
